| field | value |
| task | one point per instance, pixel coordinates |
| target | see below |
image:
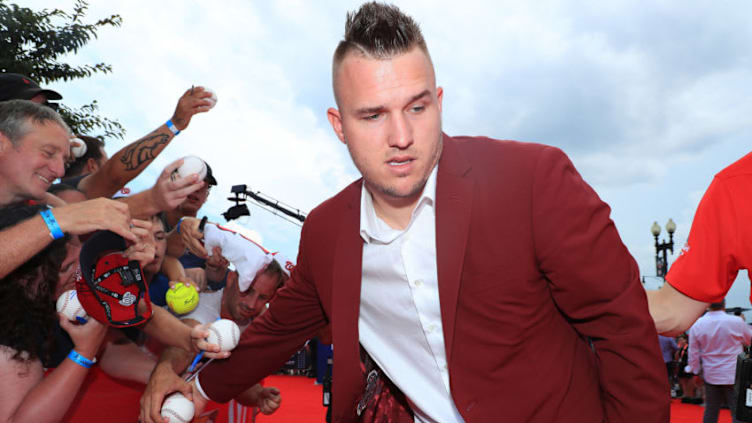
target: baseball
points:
(177, 408)
(224, 333)
(78, 147)
(191, 165)
(70, 307)
(182, 298)
(212, 99)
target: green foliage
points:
(32, 43)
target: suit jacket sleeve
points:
(595, 283)
(294, 316)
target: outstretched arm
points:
(672, 311)
(20, 242)
(27, 396)
(166, 194)
(131, 160)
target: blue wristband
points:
(177, 228)
(81, 360)
(171, 126)
(49, 220)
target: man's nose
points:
(400, 131)
(58, 167)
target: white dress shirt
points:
(714, 342)
(400, 317)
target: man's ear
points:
(232, 278)
(335, 119)
(440, 96)
(91, 165)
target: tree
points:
(32, 43)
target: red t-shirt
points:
(720, 241)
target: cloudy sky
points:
(649, 98)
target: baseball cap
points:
(111, 286)
(286, 264)
(209, 179)
(247, 256)
(14, 86)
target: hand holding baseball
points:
(192, 236)
(225, 333)
(199, 334)
(86, 337)
(167, 193)
(163, 381)
(195, 100)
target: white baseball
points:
(191, 165)
(68, 304)
(177, 408)
(212, 99)
(224, 333)
(78, 147)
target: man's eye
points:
(373, 116)
(418, 109)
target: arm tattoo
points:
(143, 151)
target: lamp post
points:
(661, 259)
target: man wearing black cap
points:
(212, 271)
(14, 86)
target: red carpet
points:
(106, 399)
(109, 400)
(691, 413)
(301, 400)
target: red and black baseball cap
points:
(14, 86)
(111, 286)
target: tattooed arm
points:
(127, 163)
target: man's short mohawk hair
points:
(380, 31)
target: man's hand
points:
(185, 280)
(195, 100)
(167, 193)
(199, 402)
(92, 215)
(86, 337)
(268, 400)
(163, 381)
(192, 236)
(216, 265)
(144, 250)
(198, 339)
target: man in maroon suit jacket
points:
(541, 314)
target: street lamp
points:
(661, 260)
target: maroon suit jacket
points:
(544, 317)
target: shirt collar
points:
(373, 228)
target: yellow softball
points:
(182, 298)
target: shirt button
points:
(431, 328)
(419, 282)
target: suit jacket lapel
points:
(453, 211)
(346, 281)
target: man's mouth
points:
(45, 180)
(400, 161)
